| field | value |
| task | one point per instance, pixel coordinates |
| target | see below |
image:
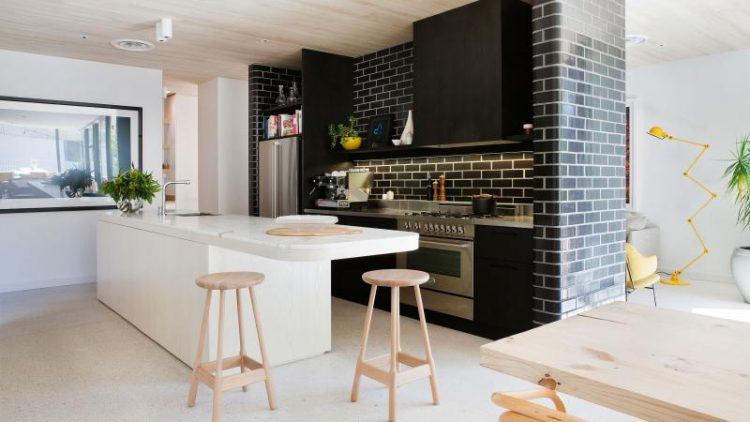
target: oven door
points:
(450, 262)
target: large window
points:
(55, 155)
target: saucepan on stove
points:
(483, 204)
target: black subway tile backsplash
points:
(410, 175)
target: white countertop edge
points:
(394, 243)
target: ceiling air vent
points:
(132, 45)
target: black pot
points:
(483, 204)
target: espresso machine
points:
(330, 191)
(342, 189)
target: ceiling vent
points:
(128, 44)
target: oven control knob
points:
(430, 227)
(453, 229)
(461, 229)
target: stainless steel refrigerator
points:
(278, 177)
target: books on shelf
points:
(284, 124)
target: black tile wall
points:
(264, 88)
(507, 175)
(579, 173)
(383, 85)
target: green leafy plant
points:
(341, 130)
(738, 173)
(132, 184)
(74, 179)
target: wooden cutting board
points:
(325, 231)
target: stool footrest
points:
(372, 368)
(206, 373)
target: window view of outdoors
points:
(47, 155)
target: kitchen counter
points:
(248, 234)
(516, 221)
(147, 264)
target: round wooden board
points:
(327, 231)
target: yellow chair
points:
(641, 271)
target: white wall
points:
(706, 99)
(46, 249)
(223, 146)
(186, 150)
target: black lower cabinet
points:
(503, 292)
(346, 274)
(503, 280)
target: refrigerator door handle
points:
(275, 173)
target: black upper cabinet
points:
(473, 73)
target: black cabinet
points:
(346, 274)
(503, 279)
(473, 73)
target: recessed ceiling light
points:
(129, 44)
(84, 37)
(265, 40)
(636, 39)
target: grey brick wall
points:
(263, 88)
(383, 85)
(579, 155)
(508, 175)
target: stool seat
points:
(229, 280)
(395, 278)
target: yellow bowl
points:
(351, 142)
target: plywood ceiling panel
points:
(222, 37)
(680, 29)
(211, 37)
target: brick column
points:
(579, 173)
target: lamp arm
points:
(712, 196)
(685, 141)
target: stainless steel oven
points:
(450, 262)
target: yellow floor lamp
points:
(659, 133)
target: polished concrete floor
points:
(66, 357)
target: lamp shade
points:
(658, 132)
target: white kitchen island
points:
(147, 264)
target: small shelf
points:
(511, 145)
(285, 107)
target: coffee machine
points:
(330, 190)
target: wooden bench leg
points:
(262, 344)
(241, 326)
(363, 344)
(393, 370)
(427, 349)
(199, 355)
(219, 361)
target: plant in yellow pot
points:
(345, 134)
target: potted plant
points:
(73, 182)
(346, 135)
(738, 174)
(130, 189)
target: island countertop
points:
(248, 234)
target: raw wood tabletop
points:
(655, 364)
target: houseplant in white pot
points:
(738, 174)
(130, 189)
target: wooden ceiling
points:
(211, 37)
(680, 29)
(221, 37)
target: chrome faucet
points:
(163, 207)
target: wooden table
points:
(655, 364)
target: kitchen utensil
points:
(483, 204)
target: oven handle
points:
(442, 244)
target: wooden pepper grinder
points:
(435, 190)
(442, 187)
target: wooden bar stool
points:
(522, 409)
(418, 368)
(211, 373)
